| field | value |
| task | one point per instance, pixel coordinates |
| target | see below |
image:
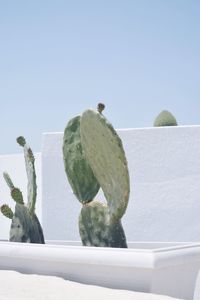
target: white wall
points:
(15, 166)
(164, 165)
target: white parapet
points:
(164, 165)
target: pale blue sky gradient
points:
(58, 58)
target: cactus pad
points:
(79, 173)
(8, 180)
(16, 194)
(30, 171)
(96, 230)
(165, 118)
(25, 228)
(7, 211)
(104, 151)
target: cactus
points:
(102, 152)
(165, 118)
(25, 226)
(80, 176)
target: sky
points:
(58, 58)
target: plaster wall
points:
(164, 166)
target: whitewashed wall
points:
(164, 165)
(14, 164)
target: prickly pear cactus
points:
(96, 229)
(165, 118)
(104, 151)
(25, 226)
(93, 155)
(80, 175)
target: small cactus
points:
(25, 225)
(165, 118)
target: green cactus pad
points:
(79, 173)
(8, 180)
(17, 196)
(96, 230)
(7, 211)
(25, 227)
(31, 175)
(104, 151)
(165, 118)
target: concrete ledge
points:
(165, 269)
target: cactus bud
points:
(100, 107)
(21, 141)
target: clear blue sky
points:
(58, 58)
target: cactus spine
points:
(99, 225)
(25, 225)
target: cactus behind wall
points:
(25, 226)
(165, 118)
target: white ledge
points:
(142, 258)
(152, 270)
